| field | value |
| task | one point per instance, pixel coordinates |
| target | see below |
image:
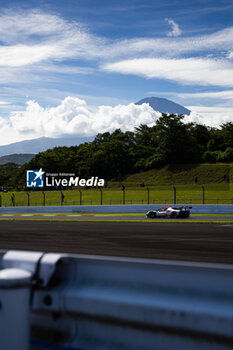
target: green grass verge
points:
(185, 194)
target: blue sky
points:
(56, 54)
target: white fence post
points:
(15, 309)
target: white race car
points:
(170, 212)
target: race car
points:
(169, 212)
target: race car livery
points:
(170, 212)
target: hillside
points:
(183, 174)
(116, 155)
(41, 144)
(16, 158)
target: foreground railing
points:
(85, 303)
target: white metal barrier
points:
(87, 303)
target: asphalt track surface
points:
(117, 217)
(172, 241)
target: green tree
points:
(174, 139)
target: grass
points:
(184, 174)
(160, 183)
(185, 194)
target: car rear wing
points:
(185, 207)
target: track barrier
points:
(88, 303)
(196, 208)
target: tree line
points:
(114, 155)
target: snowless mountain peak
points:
(163, 105)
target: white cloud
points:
(44, 36)
(217, 42)
(33, 37)
(28, 25)
(35, 40)
(175, 29)
(22, 55)
(224, 95)
(185, 71)
(36, 47)
(73, 117)
(3, 123)
(211, 116)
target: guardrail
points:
(87, 303)
(196, 209)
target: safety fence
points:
(209, 194)
(61, 301)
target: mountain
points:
(19, 159)
(41, 144)
(163, 105)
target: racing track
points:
(120, 217)
(173, 241)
